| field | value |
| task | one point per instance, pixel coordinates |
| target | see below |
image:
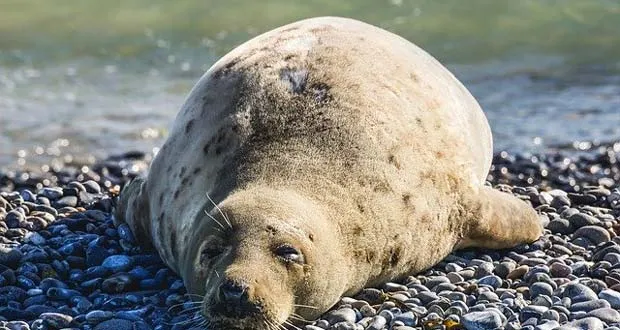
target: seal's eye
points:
(211, 250)
(289, 254)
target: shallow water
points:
(89, 77)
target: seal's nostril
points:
(232, 291)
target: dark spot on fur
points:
(185, 180)
(406, 199)
(289, 56)
(206, 148)
(226, 69)
(176, 193)
(392, 160)
(271, 230)
(311, 237)
(189, 125)
(394, 257)
(169, 169)
(370, 255)
(290, 29)
(218, 150)
(235, 128)
(418, 121)
(357, 230)
(360, 207)
(382, 187)
(160, 229)
(232, 63)
(439, 154)
(320, 92)
(161, 198)
(173, 244)
(182, 172)
(220, 137)
(296, 79)
(196, 170)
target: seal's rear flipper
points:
(499, 220)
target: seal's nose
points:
(233, 292)
(233, 299)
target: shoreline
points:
(64, 265)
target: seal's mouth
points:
(254, 321)
(232, 308)
(236, 309)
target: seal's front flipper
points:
(498, 220)
(126, 199)
(132, 208)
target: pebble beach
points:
(63, 264)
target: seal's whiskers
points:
(292, 325)
(220, 211)
(304, 306)
(181, 304)
(214, 219)
(298, 317)
(194, 295)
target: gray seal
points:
(314, 160)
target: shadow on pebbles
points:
(63, 265)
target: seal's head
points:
(264, 258)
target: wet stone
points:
(491, 280)
(540, 288)
(533, 311)
(407, 318)
(518, 272)
(578, 292)
(586, 323)
(558, 269)
(595, 234)
(560, 226)
(504, 268)
(378, 322)
(115, 324)
(71, 201)
(483, 320)
(51, 193)
(484, 269)
(551, 314)
(341, 315)
(56, 320)
(612, 297)
(118, 263)
(10, 257)
(92, 187)
(589, 305)
(606, 314)
(97, 316)
(581, 219)
(14, 219)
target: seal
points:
(315, 160)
